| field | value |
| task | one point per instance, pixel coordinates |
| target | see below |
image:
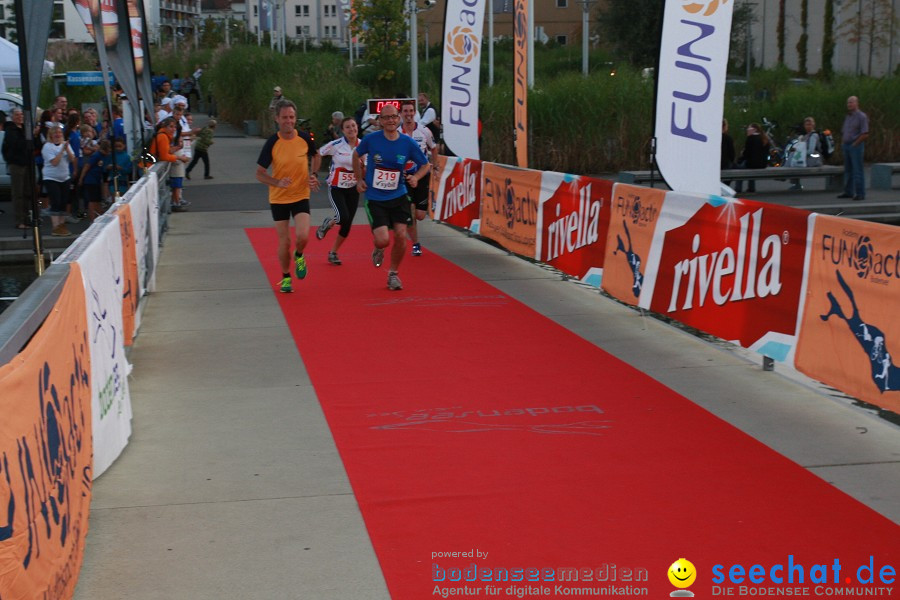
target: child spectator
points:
(201, 149)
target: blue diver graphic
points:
(633, 259)
(885, 375)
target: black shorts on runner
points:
(419, 194)
(284, 212)
(387, 213)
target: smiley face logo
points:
(682, 573)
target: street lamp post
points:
(413, 48)
(585, 18)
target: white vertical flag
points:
(463, 23)
(693, 62)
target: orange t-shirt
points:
(288, 158)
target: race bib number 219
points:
(385, 179)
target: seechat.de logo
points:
(682, 575)
(707, 7)
(462, 44)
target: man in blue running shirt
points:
(384, 183)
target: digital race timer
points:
(376, 104)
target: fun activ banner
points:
(141, 50)
(729, 267)
(520, 81)
(102, 270)
(463, 21)
(690, 89)
(633, 218)
(849, 331)
(96, 22)
(573, 223)
(45, 453)
(144, 204)
(458, 199)
(509, 208)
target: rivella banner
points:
(463, 21)
(573, 223)
(45, 453)
(729, 267)
(690, 90)
(458, 198)
(849, 334)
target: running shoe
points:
(333, 258)
(377, 257)
(394, 282)
(417, 249)
(327, 224)
(286, 286)
(300, 266)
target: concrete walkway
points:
(231, 486)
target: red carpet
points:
(467, 421)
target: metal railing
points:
(20, 321)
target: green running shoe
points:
(286, 286)
(300, 266)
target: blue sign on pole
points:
(75, 78)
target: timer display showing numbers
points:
(376, 104)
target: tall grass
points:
(596, 124)
(318, 82)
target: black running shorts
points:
(284, 212)
(387, 213)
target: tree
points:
(803, 42)
(870, 25)
(382, 26)
(828, 41)
(741, 20)
(632, 28)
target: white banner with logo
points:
(101, 270)
(145, 217)
(690, 92)
(463, 23)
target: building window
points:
(255, 10)
(305, 8)
(562, 40)
(562, 3)
(299, 30)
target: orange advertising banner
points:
(510, 205)
(520, 82)
(634, 214)
(849, 334)
(45, 454)
(130, 286)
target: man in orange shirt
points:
(288, 152)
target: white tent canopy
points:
(10, 73)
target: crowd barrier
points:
(65, 403)
(811, 291)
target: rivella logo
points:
(749, 269)
(462, 44)
(708, 8)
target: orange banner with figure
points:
(509, 207)
(45, 454)
(634, 213)
(131, 294)
(520, 82)
(849, 333)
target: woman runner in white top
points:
(341, 186)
